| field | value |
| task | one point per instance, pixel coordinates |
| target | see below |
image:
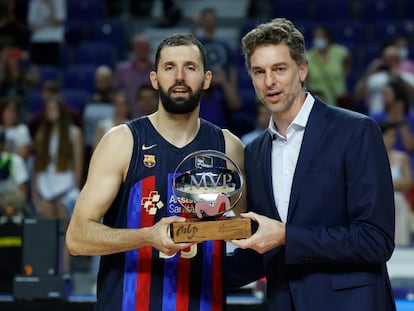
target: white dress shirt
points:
(41, 13)
(285, 152)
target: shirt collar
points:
(301, 119)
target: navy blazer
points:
(340, 224)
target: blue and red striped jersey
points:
(145, 279)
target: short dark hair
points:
(179, 39)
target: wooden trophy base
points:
(203, 230)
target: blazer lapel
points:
(313, 131)
(267, 172)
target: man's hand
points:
(160, 238)
(270, 234)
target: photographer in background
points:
(379, 72)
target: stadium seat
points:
(349, 32)
(306, 28)
(79, 77)
(249, 100)
(35, 101)
(247, 26)
(85, 10)
(75, 98)
(411, 51)
(74, 32)
(112, 32)
(369, 53)
(386, 30)
(92, 115)
(94, 53)
(328, 10)
(66, 55)
(47, 72)
(408, 9)
(376, 10)
(292, 9)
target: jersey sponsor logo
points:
(152, 203)
(144, 147)
(175, 203)
(149, 160)
(203, 162)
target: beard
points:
(180, 105)
(290, 96)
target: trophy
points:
(208, 184)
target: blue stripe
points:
(169, 296)
(131, 257)
(207, 274)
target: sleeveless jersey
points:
(145, 279)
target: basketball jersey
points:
(145, 279)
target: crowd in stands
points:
(66, 79)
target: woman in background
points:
(58, 165)
(402, 181)
(329, 66)
(58, 159)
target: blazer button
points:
(307, 259)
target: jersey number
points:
(187, 253)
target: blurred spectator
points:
(379, 72)
(147, 99)
(46, 20)
(18, 139)
(12, 31)
(11, 204)
(222, 97)
(58, 160)
(58, 167)
(103, 85)
(122, 109)
(396, 101)
(262, 122)
(17, 75)
(171, 13)
(51, 89)
(13, 172)
(131, 74)
(329, 65)
(406, 64)
(402, 180)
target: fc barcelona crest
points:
(149, 160)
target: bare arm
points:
(235, 150)
(86, 235)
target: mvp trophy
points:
(208, 184)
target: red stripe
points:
(217, 279)
(183, 283)
(183, 278)
(145, 253)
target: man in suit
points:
(319, 189)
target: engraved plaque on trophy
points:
(207, 185)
